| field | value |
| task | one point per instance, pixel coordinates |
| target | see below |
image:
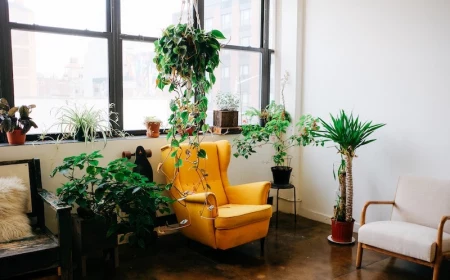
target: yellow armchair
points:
(225, 216)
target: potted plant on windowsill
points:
(227, 115)
(85, 124)
(275, 133)
(152, 124)
(15, 128)
(348, 133)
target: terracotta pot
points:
(16, 137)
(341, 231)
(153, 129)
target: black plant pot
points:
(262, 122)
(281, 174)
(80, 136)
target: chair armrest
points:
(251, 194)
(52, 200)
(201, 198)
(441, 232)
(363, 213)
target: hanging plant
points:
(186, 57)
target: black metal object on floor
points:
(279, 187)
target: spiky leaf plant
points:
(348, 133)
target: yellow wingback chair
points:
(240, 213)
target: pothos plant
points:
(112, 191)
(185, 57)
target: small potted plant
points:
(227, 115)
(85, 123)
(15, 128)
(153, 124)
(274, 133)
(348, 133)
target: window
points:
(245, 41)
(225, 72)
(78, 51)
(245, 17)
(243, 70)
(226, 21)
(208, 24)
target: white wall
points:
(387, 61)
(257, 168)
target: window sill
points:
(138, 137)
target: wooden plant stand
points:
(90, 236)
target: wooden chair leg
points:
(359, 254)
(262, 246)
(436, 268)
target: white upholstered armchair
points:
(417, 230)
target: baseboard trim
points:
(320, 217)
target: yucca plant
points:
(348, 133)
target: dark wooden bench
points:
(44, 250)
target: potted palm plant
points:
(274, 133)
(349, 134)
(15, 128)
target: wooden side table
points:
(279, 187)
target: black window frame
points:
(115, 40)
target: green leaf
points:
(136, 190)
(175, 143)
(178, 163)
(201, 153)
(217, 34)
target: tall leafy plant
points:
(110, 191)
(349, 134)
(185, 57)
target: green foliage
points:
(227, 101)
(8, 120)
(112, 190)
(88, 121)
(274, 133)
(186, 58)
(347, 132)
(188, 54)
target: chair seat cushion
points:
(403, 238)
(237, 215)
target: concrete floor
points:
(292, 252)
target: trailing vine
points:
(186, 57)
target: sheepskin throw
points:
(14, 223)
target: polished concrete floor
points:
(298, 251)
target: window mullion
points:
(6, 67)
(265, 72)
(115, 60)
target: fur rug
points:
(14, 223)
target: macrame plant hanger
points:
(189, 9)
